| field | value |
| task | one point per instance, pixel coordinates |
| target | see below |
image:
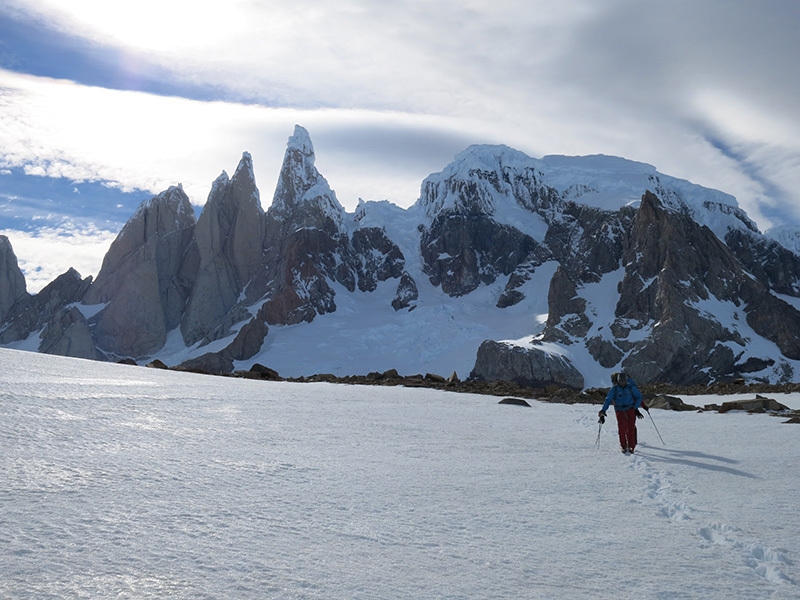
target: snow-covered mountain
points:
(553, 270)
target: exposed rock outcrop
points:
(531, 366)
(12, 281)
(514, 402)
(769, 262)
(212, 363)
(758, 404)
(32, 313)
(376, 257)
(461, 252)
(68, 334)
(146, 277)
(667, 402)
(229, 238)
(407, 293)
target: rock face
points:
(146, 277)
(12, 281)
(407, 293)
(37, 313)
(229, 237)
(533, 367)
(307, 246)
(663, 331)
(465, 245)
(672, 284)
(68, 334)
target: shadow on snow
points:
(703, 461)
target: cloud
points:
(141, 141)
(390, 91)
(711, 86)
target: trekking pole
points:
(656, 428)
(597, 443)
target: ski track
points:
(670, 501)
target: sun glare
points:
(157, 25)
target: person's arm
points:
(609, 400)
(637, 396)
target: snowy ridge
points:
(610, 182)
(479, 164)
(606, 182)
(787, 236)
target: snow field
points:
(128, 482)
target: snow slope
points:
(128, 482)
(364, 336)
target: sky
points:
(103, 105)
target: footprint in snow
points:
(660, 490)
(669, 500)
(765, 561)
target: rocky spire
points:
(307, 245)
(12, 281)
(229, 237)
(303, 194)
(146, 277)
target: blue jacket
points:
(624, 398)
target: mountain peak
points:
(301, 140)
(481, 180)
(161, 210)
(300, 185)
(490, 156)
(243, 181)
(245, 166)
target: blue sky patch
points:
(29, 202)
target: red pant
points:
(626, 423)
